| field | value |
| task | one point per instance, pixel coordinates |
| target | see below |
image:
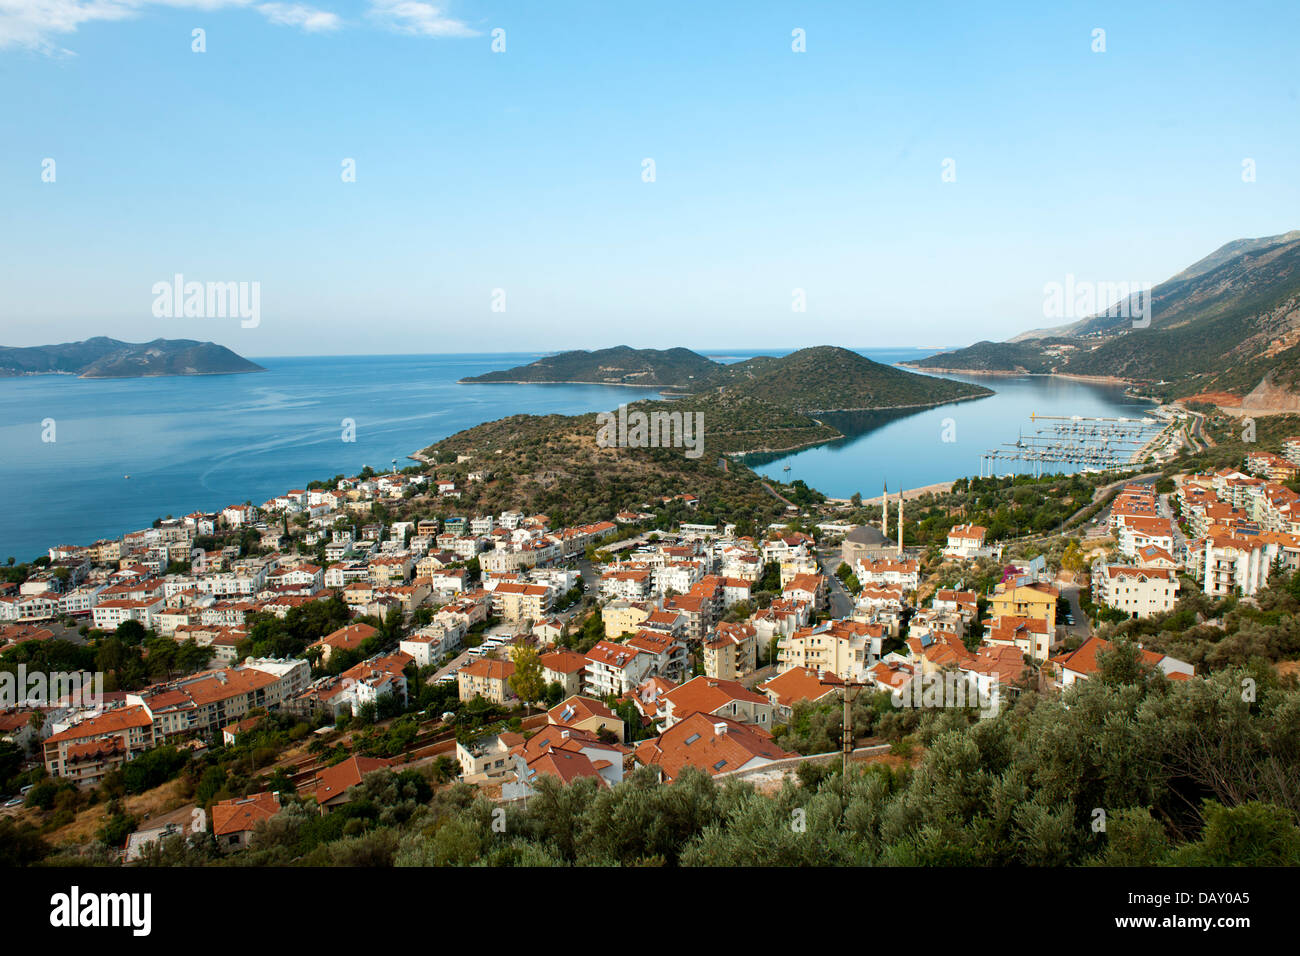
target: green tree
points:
(1253, 834)
(527, 680)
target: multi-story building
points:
(731, 652)
(1034, 600)
(487, 678)
(515, 602)
(718, 698)
(845, 648)
(88, 750)
(966, 542)
(1137, 591)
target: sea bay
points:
(203, 442)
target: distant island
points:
(102, 357)
(822, 378)
(763, 405)
(621, 365)
(1224, 331)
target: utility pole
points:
(849, 694)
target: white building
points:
(1138, 592)
(966, 543)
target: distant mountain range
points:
(1225, 329)
(103, 357)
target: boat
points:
(126, 476)
(786, 468)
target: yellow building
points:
(791, 568)
(841, 647)
(487, 678)
(623, 617)
(1037, 601)
(732, 652)
(514, 602)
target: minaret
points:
(900, 525)
(884, 515)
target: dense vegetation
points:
(129, 658)
(828, 378)
(1126, 769)
(1008, 507)
(1230, 448)
(994, 357)
(620, 365)
(1232, 632)
(556, 468)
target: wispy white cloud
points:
(31, 23)
(418, 18)
(36, 24)
(301, 16)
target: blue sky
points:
(522, 170)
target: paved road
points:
(777, 494)
(1198, 429)
(460, 661)
(1101, 491)
(841, 600)
(1070, 592)
(590, 587)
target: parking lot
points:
(496, 637)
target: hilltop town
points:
(290, 657)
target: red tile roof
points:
(244, 813)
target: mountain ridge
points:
(1229, 323)
(104, 357)
(619, 365)
(769, 404)
(813, 379)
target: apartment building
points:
(732, 651)
(1137, 591)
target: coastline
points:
(110, 378)
(740, 455)
(893, 408)
(995, 373)
(501, 381)
(939, 488)
(743, 453)
(419, 457)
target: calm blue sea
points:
(204, 442)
